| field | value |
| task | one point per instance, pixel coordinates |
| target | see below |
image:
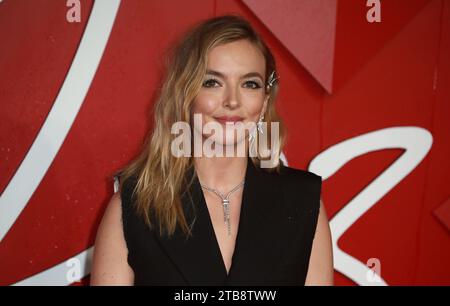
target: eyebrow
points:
(247, 75)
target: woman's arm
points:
(320, 271)
(110, 265)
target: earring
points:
(259, 125)
(258, 128)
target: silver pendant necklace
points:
(225, 202)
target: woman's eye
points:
(252, 85)
(214, 83)
(210, 83)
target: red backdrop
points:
(353, 93)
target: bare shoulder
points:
(110, 264)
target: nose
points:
(232, 99)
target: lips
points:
(230, 119)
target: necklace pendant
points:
(226, 214)
(229, 227)
(226, 210)
(225, 203)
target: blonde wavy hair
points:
(161, 177)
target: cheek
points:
(254, 108)
(205, 104)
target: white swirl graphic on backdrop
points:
(417, 143)
(55, 129)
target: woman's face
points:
(233, 89)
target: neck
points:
(221, 173)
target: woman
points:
(212, 220)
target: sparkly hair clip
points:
(272, 79)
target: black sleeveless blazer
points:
(277, 225)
